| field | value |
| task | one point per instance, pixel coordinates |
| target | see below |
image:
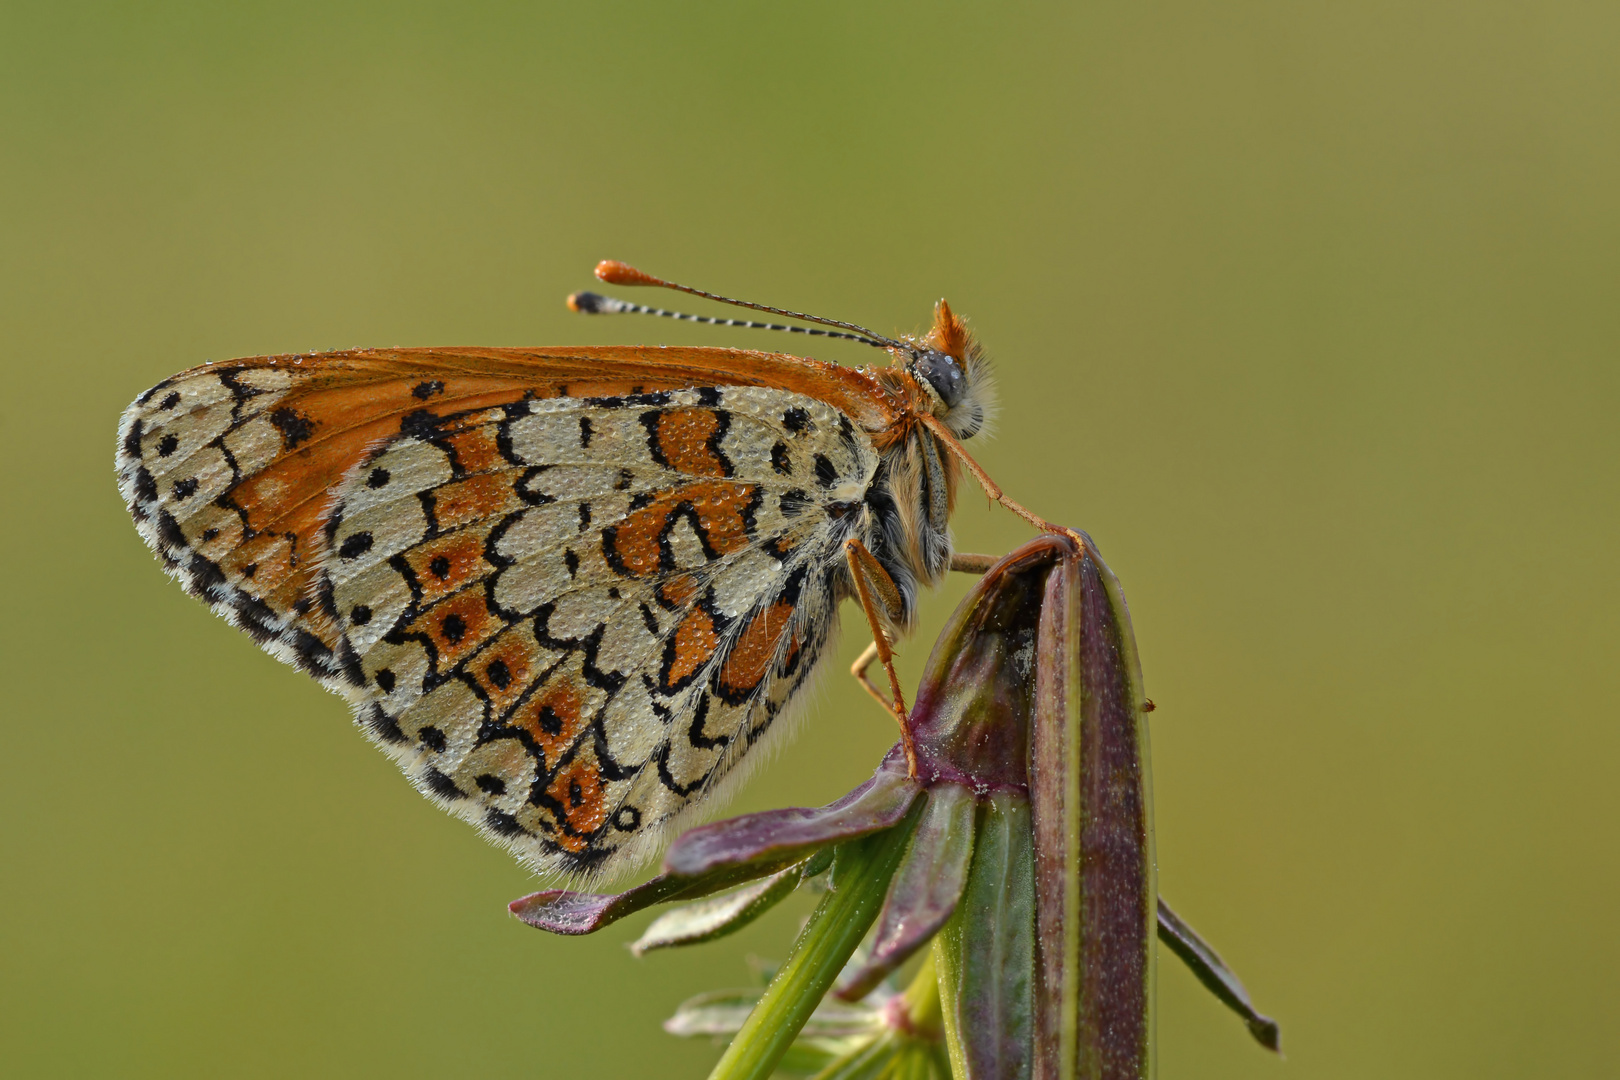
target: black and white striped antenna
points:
(617, 273)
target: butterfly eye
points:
(943, 373)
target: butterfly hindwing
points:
(566, 617)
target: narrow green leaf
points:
(723, 1012)
(986, 952)
(862, 871)
(717, 916)
(717, 1012)
(865, 1062)
(1206, 964)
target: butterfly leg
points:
(991, 488)
(859, 669)
(964, 562)
(874, 587)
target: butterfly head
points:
(952, 366)
(947, 363)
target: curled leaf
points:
(925, 888)
(563, 911)
(778, 837)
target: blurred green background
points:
(1307, 312)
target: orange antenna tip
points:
(615, 272)
(573, 302)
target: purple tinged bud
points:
(1093, 832)
(971, 720)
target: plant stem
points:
(923, 1010)
(861, 877)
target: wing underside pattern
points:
(566, 618)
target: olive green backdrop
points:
(1307, 312)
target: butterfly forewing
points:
(566, 614)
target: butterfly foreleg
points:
(990, 487)
(874, 587)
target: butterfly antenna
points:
(617, 273)
(596, 304)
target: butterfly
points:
(565, 589)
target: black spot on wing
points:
(501, 823)
(145, 487)
(846, 432)
(132, 441)
(382, 725)
(424, 424)
(355, 545)
(826, 471)
(441, 785)
(500, 676)
(295, 427)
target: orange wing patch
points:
(720, 514)
(579, 792)
(676, 592)
(447, 564)
(507, 667)
(751, 656)
(553, 718)
(456, 628)
(690, 647)
(687, 440)
(464, 501)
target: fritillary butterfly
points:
(566, 589)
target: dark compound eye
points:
(943, 373)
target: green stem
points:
(861, 876)
(923, 1008)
